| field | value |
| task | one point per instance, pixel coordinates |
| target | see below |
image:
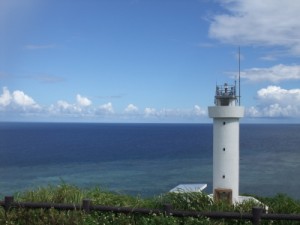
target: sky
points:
(154, 61)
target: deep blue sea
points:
(143, 159)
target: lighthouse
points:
(226, 114)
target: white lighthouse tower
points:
(226, 114)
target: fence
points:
(256, 216)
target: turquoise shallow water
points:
(143, 159)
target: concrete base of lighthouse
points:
(242, 199)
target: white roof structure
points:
(185, 188)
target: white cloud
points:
(253, 112)
(275, 101)
(199, 111)
(63, 105)
(18, 103)
(257, 22)
(80, 108)
(165, 113)
(150, 112)
(62, 108)
(106, 108)
(131, 109)
(20, 98)
(83, 101)
(17, 100)
(276, 94)
(274, 74)
(5, 98)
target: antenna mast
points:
(239, 77)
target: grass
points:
(70, 194)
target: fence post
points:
(8, 200)
(168, 209)
(86, 205)
(256, 213)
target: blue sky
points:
(147, 60)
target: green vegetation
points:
(65, 193)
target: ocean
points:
(143, 159)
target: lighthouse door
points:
(223, 195)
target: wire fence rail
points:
(256, 216)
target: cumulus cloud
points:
(18, 104)
(67, 107)
(63, 108)
(131, 109)
(83, 101)
(5, 98)
(64, 105)
(199, 111)
(169, 113)
(275, 101)
(273, 74)
(20, 98)
(165, 113)
(17, 100)
(149, 112)
(80, 108)
(261, 23)
(276, 94)
(106, 108)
